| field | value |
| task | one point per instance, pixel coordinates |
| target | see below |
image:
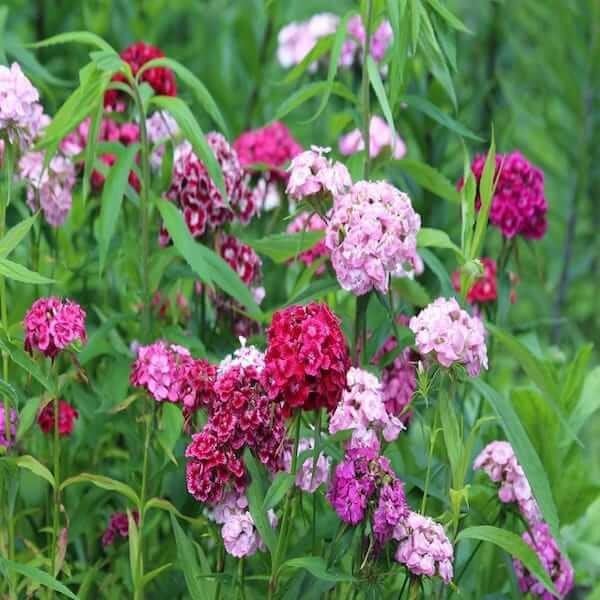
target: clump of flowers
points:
(498, 460)
(51, 325)
(485, 288)
(519, 205)
(240, 257)
(118, 526)
(50, 188)
(354, 46)
(380, 138)
(362, 407)
(14, 420)
(424, 547)
(306, 221)
(270, 147)
(160, 79)
(240, 536)
(554, 562)
(308, 478)
(372, 235)
(312, 174)
(450, 335)
(161, 127)
(306, 359)
(20, 110)
(67, 415)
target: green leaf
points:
(317, 567)
(447, 16)
(256, 502)
(15, 234)
(452, 436)
(377, 85)
(112, 199)
(526, 454)
(278, 489)
(151, 575)
(107, 60)
(399, 51)
(310, 91)
(17, 272)
(171, 422)
(36, 576)
(432, 261)
(210, 267)
(282, 247)
(91, 147)
(75, 37)
(589, 401)
(134, 548)
(436, 238)
(430, 179)
(433, 112)
(514, 545)
(202, 94)
(106, 483)
(315, 290)
(23, 359)
(415, 23)
(37, 468)
(162, 504)
(322, 46)
(190, 129)
(188, 563)
(27, 416)
(411, 291)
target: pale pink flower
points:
(380, 137)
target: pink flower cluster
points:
(363, 407)
(308, 478)
(270, 147)
(354, 46)
(424, 547)
(380, 138)
(306, 221)
(118, 526)
(161, 127)
(313, 174)
(51, 325)
(498, 460)
(238, 531)
(444, 330)
(306, 358)
(519, 205)
(67, 415)
(372, 235)
(197, 195)
(50, 188)
(554, 562)
(14, 420)
(21, 114)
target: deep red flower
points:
(67, 415)
(485, 288)
(118, 525)
(240, 257)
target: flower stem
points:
(429, 461)
(365, 92)
(56, 499)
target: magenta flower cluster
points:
(450, 335)
(313, 174)
(14, 421)
(362, 407)
(118, 527)
(308, 478)
(372, 235)
(554, 562)
(353, 48)
(51, 325)
(381, 137)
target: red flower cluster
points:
(118, 525)
(51, 325)
(271, 147)
(485, 288)
(306, 359)
(160, 79)
(67, 415)
(240, 257)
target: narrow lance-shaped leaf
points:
(36, 575)
(377, 85)
(105, 483)
(75, 37)
(91, 147)
(430, 179)
(284, 246)
(15, 234)
(310, 91)
(17, 272)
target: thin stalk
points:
(429, 460)
(220, 565)
(56, 498)
(316, 445)
(365, 91)
(241, 588)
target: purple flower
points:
(14, 420)
(391, 509)
(307, 479)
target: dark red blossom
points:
(67, 415)
(240, 257)
(306, 359)
(118, 525)
(485, 288)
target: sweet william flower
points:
(118, 526)
(307, 478)
(67, 415)
(380, 138)
(14, 421)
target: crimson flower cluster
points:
(118, 526)
(67, 415)
(306, 358)
(51, 325)
(485, 288)
(160, 79)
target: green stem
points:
(220, 565)
(365, 92)
(241, 583)
(56, 499)
(429, 461)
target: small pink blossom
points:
(380, 138)
(307, 478)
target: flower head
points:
(391, 509)
(380, 138)
(118, 526)
(308, 478)
(67, 415)
(14, 420)
(353, 47)
(240, 257)
(372, 235)
(485, 288)
(161, 127)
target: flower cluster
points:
(448, 332)
(21, 115)
(51, 325)
(354, 46)
(197, 195)
(485, 288)
(363, 407)
(306, 359)
(306, 221)
(313, 174)
(308, 478)
(424, 547)
(372, 235)
(67, 415)
(161, 127)
(14, 419)
(50, 188)
(554, 562)
(270, 147)
(238, 531)
(118, 526)
(519, 205)
(240, 257)
(380, 138)
(160, 79)
(498, 460)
